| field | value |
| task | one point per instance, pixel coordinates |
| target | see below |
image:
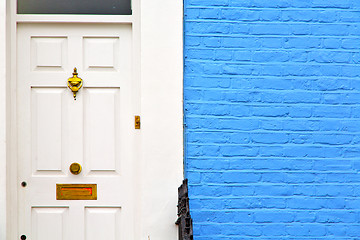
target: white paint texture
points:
(3, 119)
(160, 138)
(161, 107)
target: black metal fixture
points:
(184, 220)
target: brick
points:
(299, 16)
(270, 138)
(336, 217)
(209, 13)
(272, 42)
(306, 203)
(238, 42)
(305, 217)
(332, 43)
(240, 14)
(332, 3)
(271, 217)
(275, 56)
(350, 43)
(206, 3)
(271, 113)
(266, 29)
(306, 230)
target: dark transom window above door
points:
(100, 7)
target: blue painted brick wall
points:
(272, 108)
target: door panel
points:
(102, 223)
(47, 129)
(41, 60)
(101, 53)
(95, 130)
(50, 222)
(102, 129)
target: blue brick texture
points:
(272, 128)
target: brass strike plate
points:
(137, 122)
(76, 191)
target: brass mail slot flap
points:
(76, 191)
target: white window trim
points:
(158, 25)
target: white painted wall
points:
(162, 118)
(3, 119)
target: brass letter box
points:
(76, 191)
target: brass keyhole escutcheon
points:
(75, 168)
(75, 83)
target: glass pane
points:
(111, 7)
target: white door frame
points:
(158, 61)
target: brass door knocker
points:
(75, 83)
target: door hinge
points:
(137, 122)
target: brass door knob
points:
(75, 168)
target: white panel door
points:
(95, 130)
